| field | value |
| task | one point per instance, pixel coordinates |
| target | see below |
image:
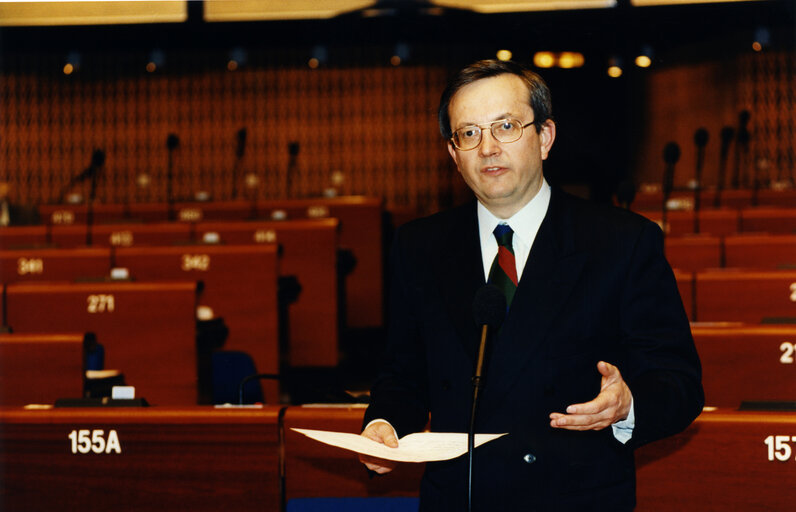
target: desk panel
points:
(735, 295)
(54, 264)
(148, 329)
(760, 251)
(711, 222)
(769, 220)
(313, 469)
(692, 253)
(22, 237)
(308, 252)
(725, 461)
(745, 362)
(239, 285)
(40, 368)
(198, 459)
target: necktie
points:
(503, 273)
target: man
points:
(595, 355)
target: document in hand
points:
(417, 447)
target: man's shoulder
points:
(594, 215)
(440, 223)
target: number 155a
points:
(87, 441)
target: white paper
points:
(417, 447)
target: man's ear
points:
(454, 155)
(546, 137)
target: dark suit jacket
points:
(596, 286)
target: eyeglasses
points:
(503, 130)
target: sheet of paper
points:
(417, 447)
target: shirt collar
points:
(525, 223)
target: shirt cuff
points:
(623, 430)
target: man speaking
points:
(594, 357)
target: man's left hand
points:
(610, 406)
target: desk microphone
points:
(671, 154)
(700, 140)
(489, 311)
(727, 134)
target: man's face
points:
(503, 176)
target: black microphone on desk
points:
(701, 140)
(671, 155)
(741, 148)
(240, 150)
(97, 161)
(727, 133)
(489, 311)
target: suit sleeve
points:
(400, 393)
(663, 369)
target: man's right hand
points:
(381, 432)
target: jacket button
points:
(529, 458)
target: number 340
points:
(87, 441)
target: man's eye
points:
(469, 132)
(507, 125)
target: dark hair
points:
(539, 94)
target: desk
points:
(692, 253)
(39, 368)
(308, 251)
(54, 264)
(198, 459)
(239, 285)
(769, 220)
(760, 251)
(721, 462)
(148, 329)
(746, 362)
(711, 222)
(736, 295)
(316, 470)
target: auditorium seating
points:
(38, 368)
(730, 198)
(148, 329)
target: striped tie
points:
(503, 273)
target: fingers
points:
(381, 432)
(612, 404)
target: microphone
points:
(97, 161)
(671, 154)
(489, 311)
(700, 140)
(741, 147)
(172, 143)
(240, 150)
(727, 134)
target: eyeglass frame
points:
(491, 124)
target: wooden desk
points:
(760, 251)
(746, 362)
(730, 198)
(54, 264)
(360, 232)
(692, 253)
(239, 285)
(308, 251)
(123, 235)
(735, 295)
(722, 462)
(769, 220)
(198, 459)
(22, 237)
(148, 329)
(315, 470)
(40, 368)
(711, 222)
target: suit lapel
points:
(461, 274)
(552, 270)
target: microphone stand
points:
(671, 154)
(701, 140)
(477, 384)
(727, 134)
(172, 142)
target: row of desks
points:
(692, 253)
(729, 198)
(723, 222)
(213, 459)
(739, 295)
(739, 363)
(360, 232)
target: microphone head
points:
(727, 133)
(489, 306)
(98, 158)
(242, 135)
(701, 138)
(172, 141)
(671, 153)
(743, 117)
(293, 148)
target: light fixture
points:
(569, 60)
(762, 39)
(644, 58)
(400, 54)
(72, 64)
(318, 56)
(237, 57)
(614, 67)
(157, 59)
(504, 55)
(544, 59)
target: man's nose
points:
(489, 145)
